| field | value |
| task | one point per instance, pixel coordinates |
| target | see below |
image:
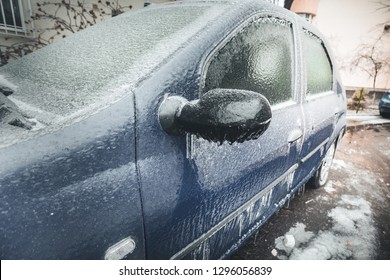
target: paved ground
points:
(347, 219)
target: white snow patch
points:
(329, 187)
(359, 152)
(386, 152)
(362, 180)
(352, 235)
(289, 241)
(6, 83)
(324, 247)
(300, 237)
(274, 252)
(339, 164)
(324, 198)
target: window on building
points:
(308, 17)
(277, 2)
(259, 58)
(318, 65)
(11, 15)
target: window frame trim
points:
(319, 95)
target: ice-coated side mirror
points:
(219, 115)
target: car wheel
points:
(384, 115)
(320, 178)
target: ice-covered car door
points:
(323, 106)
(200, 198)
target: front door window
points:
(259, 58)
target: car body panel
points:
(73, 193)
(384, 104)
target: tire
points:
(320, 178)
(384, 115)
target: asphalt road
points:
(347, 219)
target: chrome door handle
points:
(295, 135)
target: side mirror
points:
(219, 115)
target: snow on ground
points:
(367, 116)
(364, 181)
(385, 147)
(329, 188)
(352, 234)
(339, 164)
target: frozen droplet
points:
(274, 252)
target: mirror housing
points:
(219, 115)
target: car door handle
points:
(295, 135)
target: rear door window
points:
(318, 66)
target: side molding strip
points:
(315, 150)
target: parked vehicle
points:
(172, 132)
(384, 105)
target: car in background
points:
(172, 132)
(384, 105)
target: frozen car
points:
(384, 105)
(172, 132)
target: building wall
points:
(30, 7)
(348, 24)
(305, 6)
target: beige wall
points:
(348, 24)
(305, 6)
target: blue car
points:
(384, 105)
(170, 132)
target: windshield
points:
(102, 63)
